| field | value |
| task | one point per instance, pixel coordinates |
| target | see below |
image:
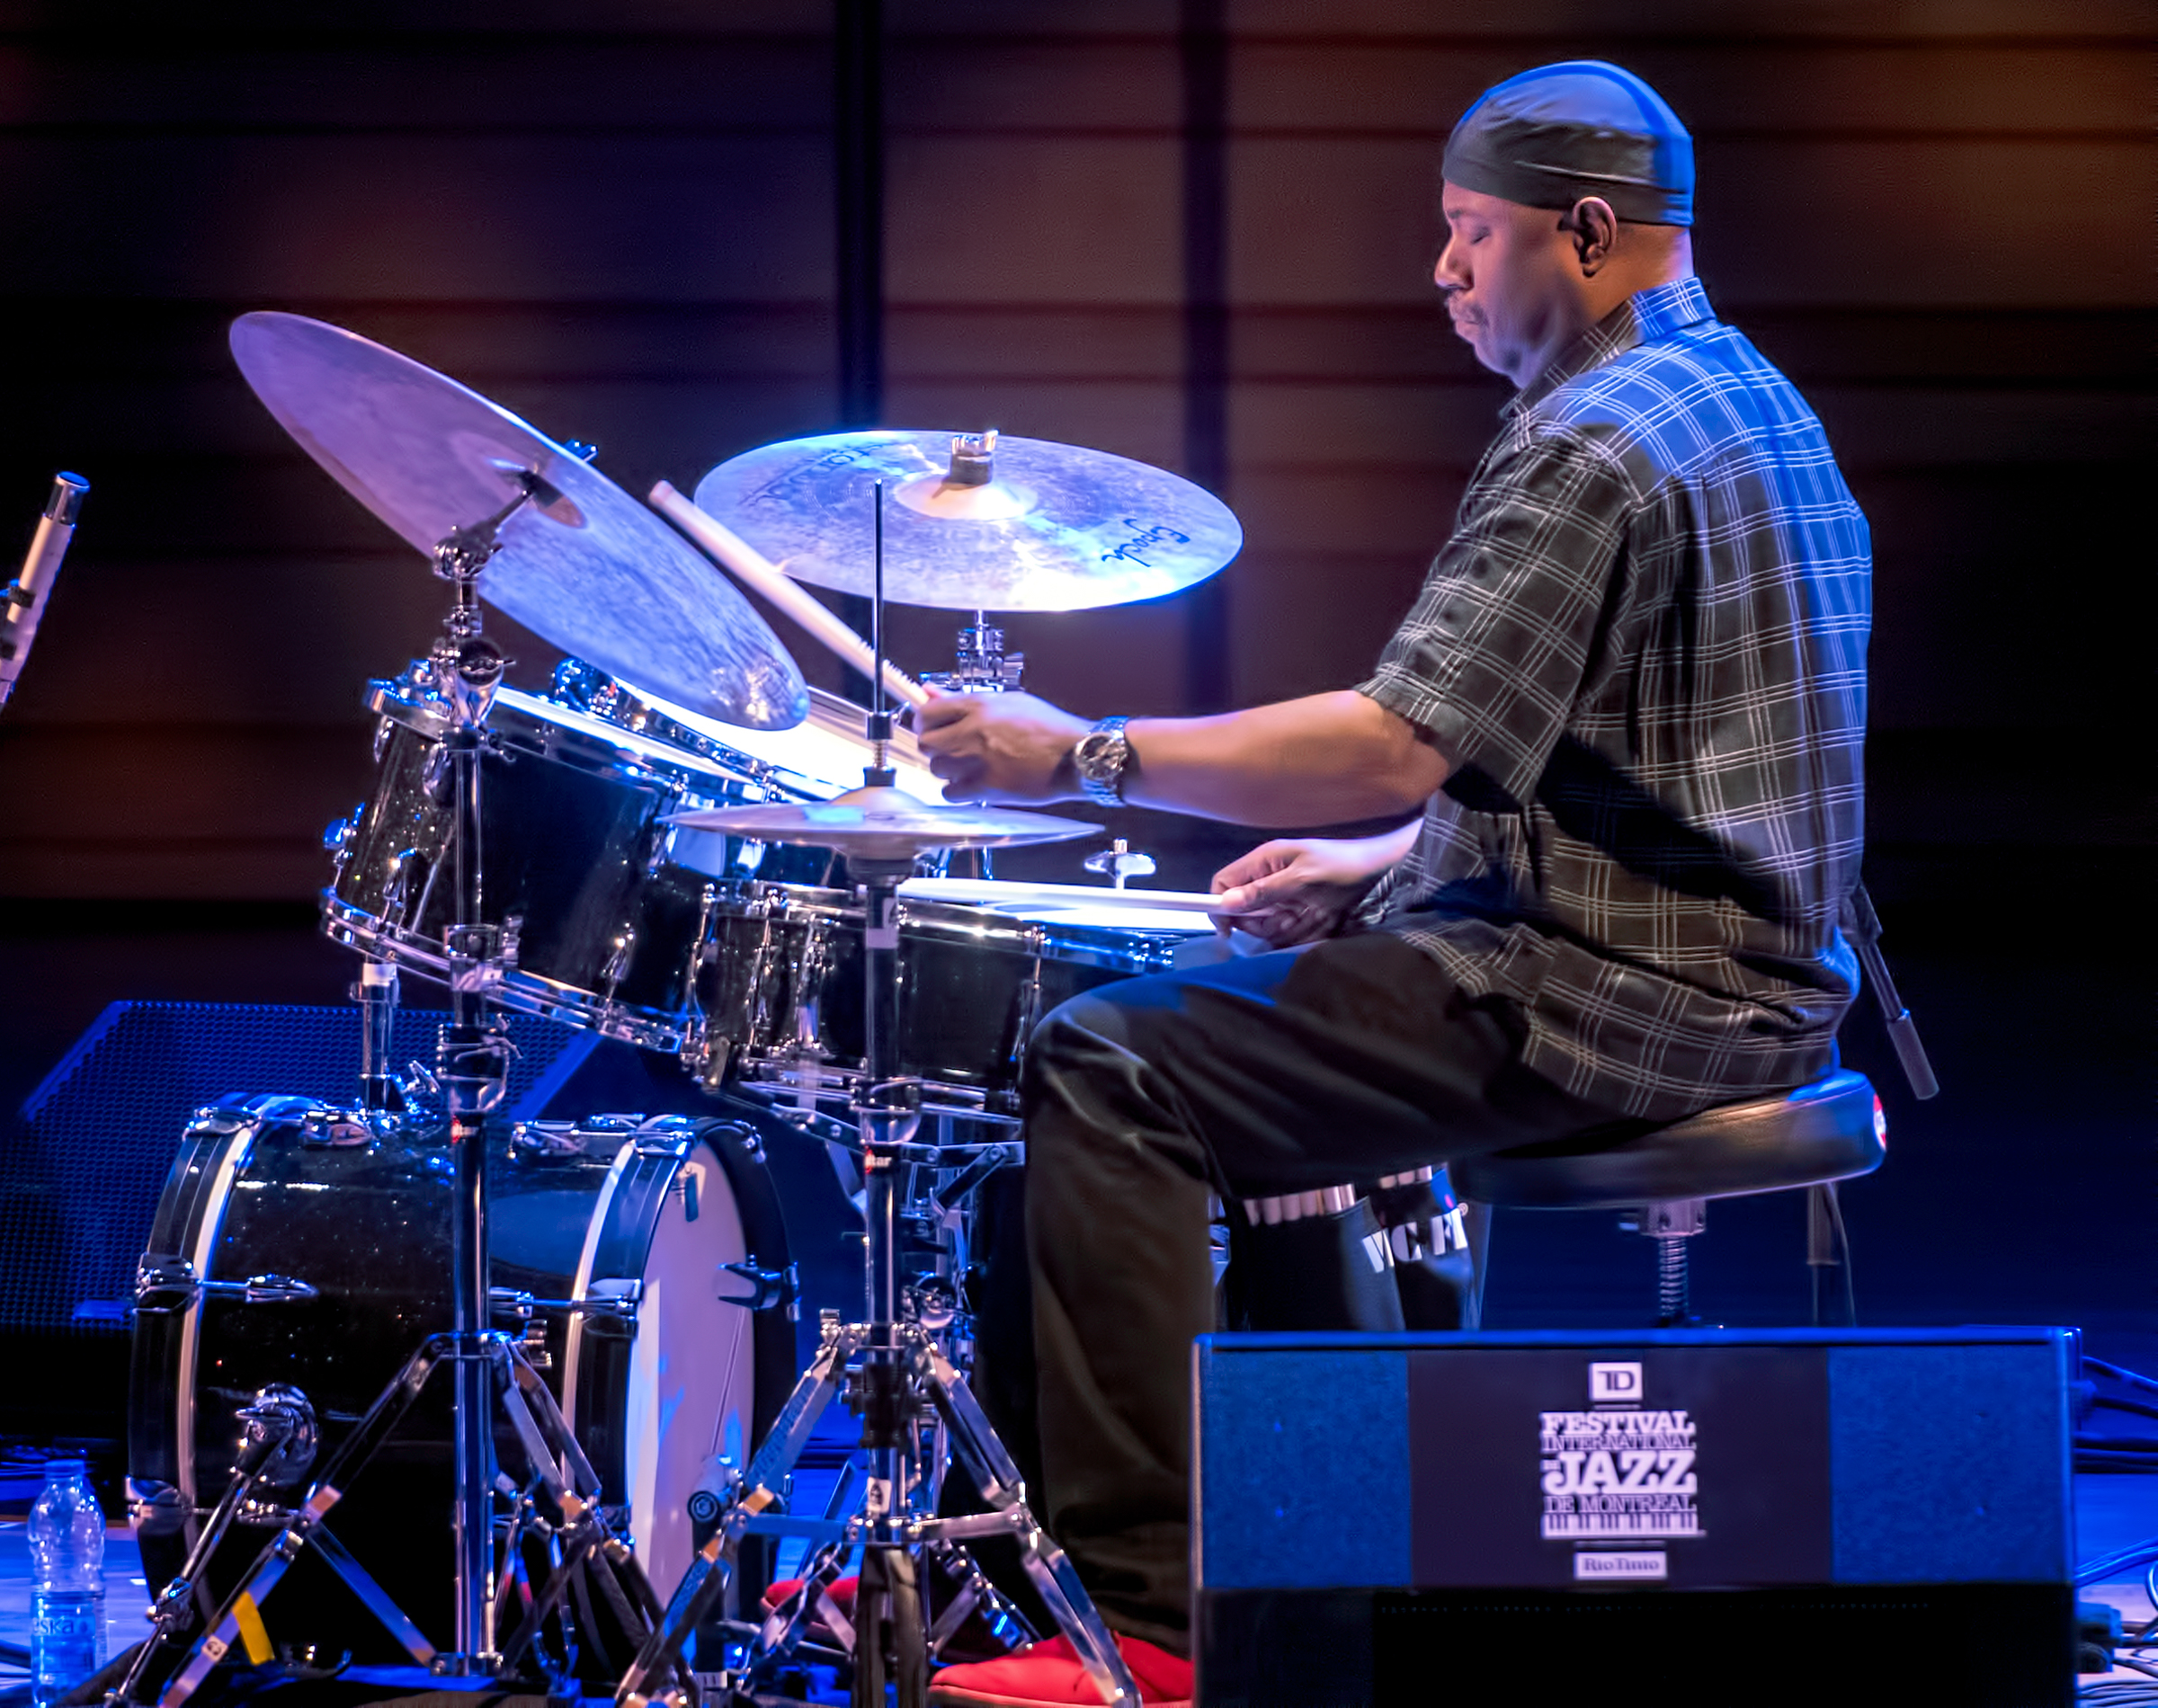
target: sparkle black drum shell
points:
(783, 986)
(599, 902)
(650, 1210)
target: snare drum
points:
(638, 1218)
(782, 988)
(599, 902)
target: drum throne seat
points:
(1661, 1179)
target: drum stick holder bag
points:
(1330, 1270)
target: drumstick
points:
(755, 570)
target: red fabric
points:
(842, 1591)
(1047, 1675)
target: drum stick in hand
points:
(758, 572)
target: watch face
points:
(1100, 753)
(1097, 756)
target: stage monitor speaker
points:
(1675, 1517)
(86, 1156)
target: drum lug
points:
(337, 838)
(753, 1147)
(329, 1128)
(1026, 1012)
(434, 772)
(618, 963)
(512, 931)
(705, 1056)
(610, 1306)
(581, 687)
(544, 1138)
(383, 726)
(664, 1148)
(405, 892)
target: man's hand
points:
(1299, 891)
(999, 747)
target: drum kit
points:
(684, 846)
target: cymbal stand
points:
(893, 1371)
(980, 665)
(489, 1370)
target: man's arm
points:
(1301, 891)
(1324, 760)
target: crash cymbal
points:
(584, 564)
(973, 522)
(884, 824)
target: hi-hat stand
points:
(556, 1504)
(892, 1371)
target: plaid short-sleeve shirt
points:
(1644, 650)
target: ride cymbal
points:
(973, 522)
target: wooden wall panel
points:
(618, 221)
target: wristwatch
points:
(1099, 757)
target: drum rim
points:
(826, 711)
(550, 729)
(961, 924)
(352, 927)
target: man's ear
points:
(1594, 228)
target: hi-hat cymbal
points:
(985, 523)
(884, 824)
(585, 565)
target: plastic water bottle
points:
(67, 1583)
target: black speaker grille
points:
(86, 1156)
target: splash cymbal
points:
(884, 824)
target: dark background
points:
(1197, 236)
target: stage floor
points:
(2111, 1512)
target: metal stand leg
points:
(554, 1462)
(277, 1448)
(897, 1367)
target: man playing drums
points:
(1630, 702)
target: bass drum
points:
(668, 1229)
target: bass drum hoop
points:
(606, 1414)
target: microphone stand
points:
(22, 600)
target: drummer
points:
(1626, 706)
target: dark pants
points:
(1352, 1059)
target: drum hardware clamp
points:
(770, 1289)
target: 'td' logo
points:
(1615, 1384)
